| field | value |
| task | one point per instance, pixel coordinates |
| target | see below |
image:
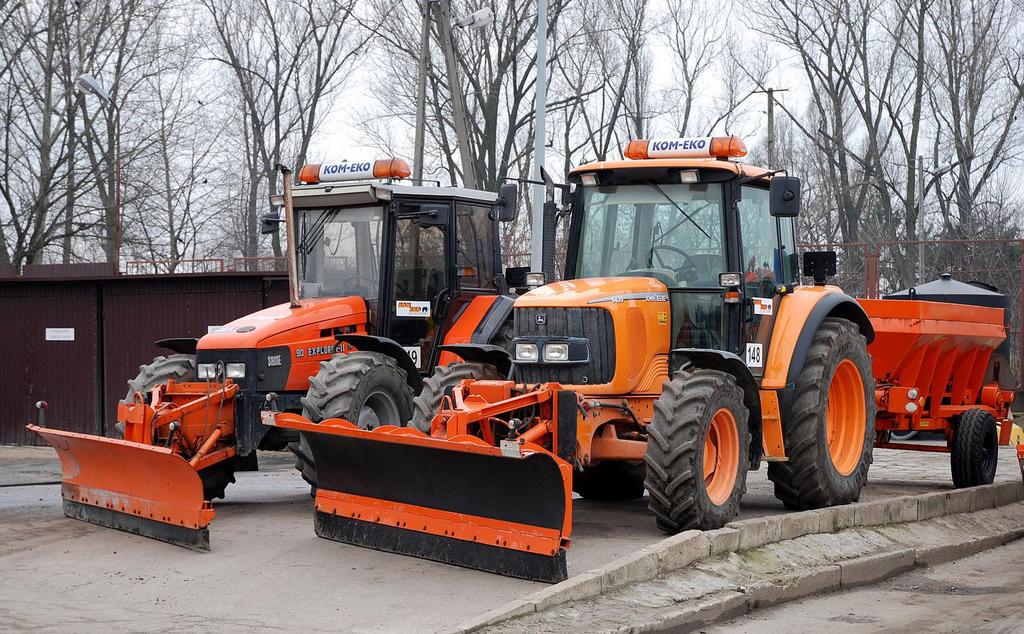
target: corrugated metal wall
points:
(115, 321)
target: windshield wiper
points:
(676, 205)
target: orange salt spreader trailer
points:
(941, 364)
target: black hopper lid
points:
(946, 289)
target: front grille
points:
(594, 324)
(248, 357)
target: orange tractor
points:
(386, 281)
(679, 353)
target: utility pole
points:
(539, 139)
(458, 99)
(920, 215)
(770, 92)
(421, 95)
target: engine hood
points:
(259, 327)
(596, 291)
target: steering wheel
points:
(687, 272)
(356, 282)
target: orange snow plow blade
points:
(459, 501)
(138, 488)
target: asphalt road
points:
(268, 569)
(980, 594)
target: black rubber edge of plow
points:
(193, 538)
(503, 561)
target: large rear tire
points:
(611, 480)
(366, 388)
(975, 451)
(831, 428)
(440, 384)
(697, 451)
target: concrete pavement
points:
(982, 593)
(268, 569)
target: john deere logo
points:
(542, 319)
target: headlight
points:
(535, 279)
(235, 370)
(207, 370)
(556, 352)
(527, 352)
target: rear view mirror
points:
(269, 223)
(784, 196)
(508, 202)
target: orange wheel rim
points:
(721, 456)
(845, 417)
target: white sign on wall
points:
(60, 334)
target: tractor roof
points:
(680, 163)
(334, 194)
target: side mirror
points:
(433, 215)
(269, 223)
(508, 202)
(784, 196)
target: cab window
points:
(475, 255)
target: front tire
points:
(975, 451)
(830, 432)
(439, 384)
(697, 451)
(180, 367)
(366, 388)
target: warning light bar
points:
(693, 147)
(353, 171)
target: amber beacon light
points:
(692, 147)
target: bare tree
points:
(287, 61)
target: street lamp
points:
(475, 20)
(89, 84)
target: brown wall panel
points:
(116, 321)
(62, 373)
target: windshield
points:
(671, 232)
(339, 251)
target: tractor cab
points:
(681, 212)
(416, 256)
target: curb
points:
(681, 550)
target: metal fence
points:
(268, 264)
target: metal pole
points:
(920, 215)
(289, 227)
(117, 188)
(421, 96)
(770, 136)
(539, 139)
(771, 127)
(458, 99)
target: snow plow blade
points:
(137, 488)
(458, 501)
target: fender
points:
(729, 363)
(482, 353)
(387, 347)
(496, 316)
(800, 314)
(179, 345)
